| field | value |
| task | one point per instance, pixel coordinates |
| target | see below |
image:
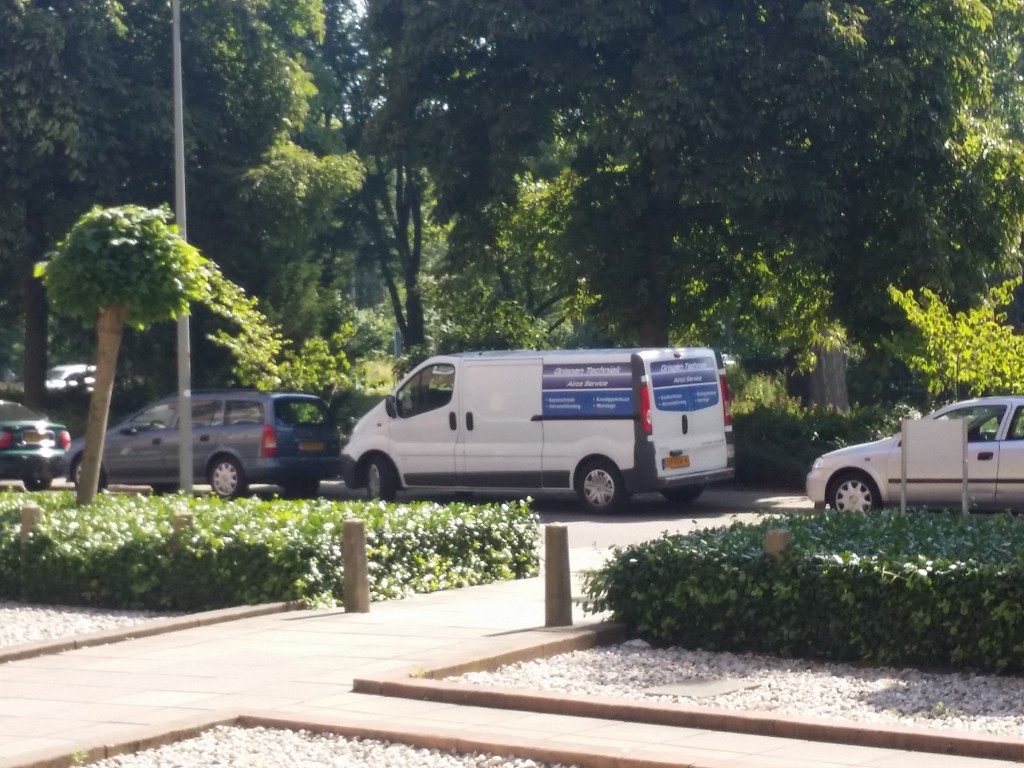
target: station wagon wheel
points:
(227, 478)
(600, 486)
(853, 492)
(37, 483)
(381, 479)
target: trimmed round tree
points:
(118, 266)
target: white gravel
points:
(21, 623)
(224, 747)
(905, 697)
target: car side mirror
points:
(391, 406)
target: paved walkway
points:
(297, 669)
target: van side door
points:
(425, 430)
(501, 435)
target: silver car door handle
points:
(986, 456)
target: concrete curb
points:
(148, 628)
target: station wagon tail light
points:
(269, 447)
(645, 409)
(5, 438)
(65, 439)
(726, 400)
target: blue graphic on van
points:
(587, 389)
(685, 385)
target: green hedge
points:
(923, 589)
(776, 444)
(120, 552)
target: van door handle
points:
(204, 439)
(686, 424)
(157, 440)
(469, 421)
(452, 423)
(986, 456)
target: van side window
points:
(428, 390)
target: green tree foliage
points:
(974, 350)
(59, 144)
(291, 200)
(118, 266)
(722, 155)
(85, 118)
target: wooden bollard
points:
(776, 543)
(181, 523)
(357, 573)
(31, 515)
(557, 582)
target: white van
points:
(605, 423)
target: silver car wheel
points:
(854, 495)
(224, 478)
(599, 487)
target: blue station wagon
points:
(238, 438)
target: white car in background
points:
(71, 376)
(860, 478)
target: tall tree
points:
(86, 118)
(119, 266)
(850, 146)
(57, 78)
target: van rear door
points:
(687, 411)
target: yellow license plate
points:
(307, 446)
(675, 462)
(34, 437)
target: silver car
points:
(868, 476)
(238, 438)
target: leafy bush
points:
(121, 551)
(925, 589)
(776, 444)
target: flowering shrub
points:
(122, 551)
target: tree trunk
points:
(109, 329)
(657, 241)
(828, 379)
(36, 309)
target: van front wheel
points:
(381, 479)
(600, 486)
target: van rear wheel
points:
(600, 486)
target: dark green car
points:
(31, 446)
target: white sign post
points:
(933, 449)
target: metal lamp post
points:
(184, 349)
